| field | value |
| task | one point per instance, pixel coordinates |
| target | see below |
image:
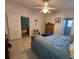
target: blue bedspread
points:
(51, 47)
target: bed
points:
(51, 47)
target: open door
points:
(25, 26)
(14, 26)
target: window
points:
(69, 23)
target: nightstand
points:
(32, 37)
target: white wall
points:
(21, 11)
(61, 13)
(64, 13)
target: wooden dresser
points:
(49, 28)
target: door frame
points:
(28, 26)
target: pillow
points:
(47, 34)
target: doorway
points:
(67, 26)
(25, 26)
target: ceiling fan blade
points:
(51, 8)
(38, 7)
(46, 4)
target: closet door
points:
(14, 25)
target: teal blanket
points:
(51, 47)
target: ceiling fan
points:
(45, 8)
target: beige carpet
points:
(21, 49)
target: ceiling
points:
(59, 4)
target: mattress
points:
(51, 47)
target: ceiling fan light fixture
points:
(45, 11)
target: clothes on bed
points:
(52, 47)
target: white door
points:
(14, 25)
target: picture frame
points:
(58, 20)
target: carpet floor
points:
(21, 49)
